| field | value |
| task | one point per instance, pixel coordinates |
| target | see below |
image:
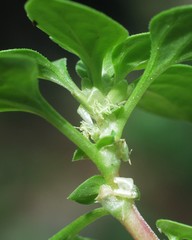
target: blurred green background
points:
(36, 173)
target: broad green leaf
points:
(55, 72)
(19, 85)
(174, 230)
(171, 38)
(171, 43)
(70, 232)
(86, 192)
(131, 54)
(79, 29)
(19, 92)
(170, 95)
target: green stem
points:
(80, 223)
(134, 98)
(106, 167)
(69, 84)
(82, 99)
(53, 117)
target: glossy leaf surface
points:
(55, 72)
(170, 95)
(19, 92)
(131, 54)
(19, 85)
(79, 29)
(171, 38)
(171, 42)
(174, 230)
(86, 192)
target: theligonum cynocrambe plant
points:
(107, 55)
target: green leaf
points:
(78, 155)
(131, 54)
(79, 29)
(119, 92)
(19, 85)
(171, 38)
(55, 72)
(171, 43)
(87, 192)
(82, 72)
(81, 69)
(107, 140)
(63, 77)
(70, 232)
(174, 230)
(19, 92)
(170, 94)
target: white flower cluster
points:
(126, 189)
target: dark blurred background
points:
(36, 172)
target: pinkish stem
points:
(137, 226)
(126, 212)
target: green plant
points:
(107, 56)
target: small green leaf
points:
(81, 69)
(55, 72)
(170, 94)
(119, 92)
(19, 85)
(78, 155)
(86, 192)
(63, 77)
(174, 230)
(108, 140)
(131, 54)
(82, 72)
(79, 29)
